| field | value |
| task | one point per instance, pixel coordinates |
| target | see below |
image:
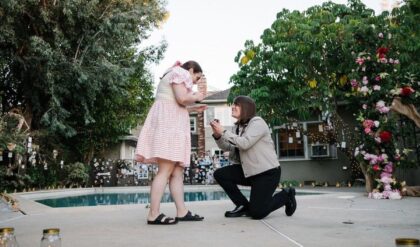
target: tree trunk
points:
(369, 183)
(28, 115)
(89, 155)
(368, 179)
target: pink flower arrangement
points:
(380, 106)
(360, 60)
(371, 84)
(368, 123)
(354, 83)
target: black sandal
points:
(190, 217)
(162, 220)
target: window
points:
(320, 150)
(193, 124)
(290, 142)
(217, 152)
(223, 113)
(319, 139)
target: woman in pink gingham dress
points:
(165, 139)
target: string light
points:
(333, 131)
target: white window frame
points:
(193, 127)
(306, 145)
(223, 113)
(305, 148)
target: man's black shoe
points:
(291, 205)
(237, 212)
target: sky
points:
(212, 32)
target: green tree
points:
(78, 174)
(74, 68)
(302, 59)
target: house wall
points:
(123, 150)
(410, 176)
(320, 171)
(113, 152)
(325, 170)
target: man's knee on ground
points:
(256, 214)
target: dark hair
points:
(248, 109)
(194, 65)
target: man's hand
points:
(217, 128)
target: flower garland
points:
(375, 82)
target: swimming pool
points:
(96, 199)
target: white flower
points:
(376, 88)
(376, 123)
(383, 75)
(356, 152)
(395, 92)
(365, 80)
(376, 195)
(380, 104)
(364, 89)
(395, 195)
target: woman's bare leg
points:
(157, 189)
(176, 186)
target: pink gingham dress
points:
(166, 131)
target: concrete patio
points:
(339, 217)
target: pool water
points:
(134, 198)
